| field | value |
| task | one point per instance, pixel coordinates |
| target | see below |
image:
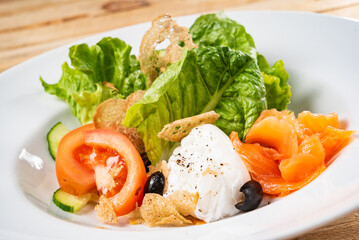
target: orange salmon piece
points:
(275, 133)
(334, 140)
(310, 157)
(266, 171)
(258, 159)
(280, 187)
(284, 154)
(318, 123)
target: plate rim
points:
(319, 222)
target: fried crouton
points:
(178, 129)
(155, 61)
(132, 99)
(105, 211)
(184, 201)
(110, 114)
(156, 210)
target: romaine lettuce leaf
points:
(277, 90)
(216, 29)
(83, 88)
(207, 78)
(219, 30)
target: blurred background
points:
(31, 27)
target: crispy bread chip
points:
(156, 210)
(184, 201)
(105, 211)
(111, 113)
(175, 210)
(154, 62)
(178, 129)
(132, 99)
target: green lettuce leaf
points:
(277, 90)
(82, 95)
(208, 78)
(219, 30)
(82, 86)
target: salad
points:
(187, 133)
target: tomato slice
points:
(88, 158)
(74, 171)
(131, 193)
(110, 170)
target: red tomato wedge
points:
(131, 193)
(73, 170)
(88, 158)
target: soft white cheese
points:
(207, 163)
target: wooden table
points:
(30, 27)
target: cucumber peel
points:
(68, 202)
(54, 137)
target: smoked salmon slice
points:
(310, 156)
(275, 133)
(284, 154)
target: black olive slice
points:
(253, 195)
(155, 183)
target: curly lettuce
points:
(277, 90)
(105, 70)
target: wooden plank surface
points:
(31, 27)
(28, 28)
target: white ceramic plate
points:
(321, 56)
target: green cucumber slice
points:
(68, 202)
(54, 137)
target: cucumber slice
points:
(68, 202)
(54, 136)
